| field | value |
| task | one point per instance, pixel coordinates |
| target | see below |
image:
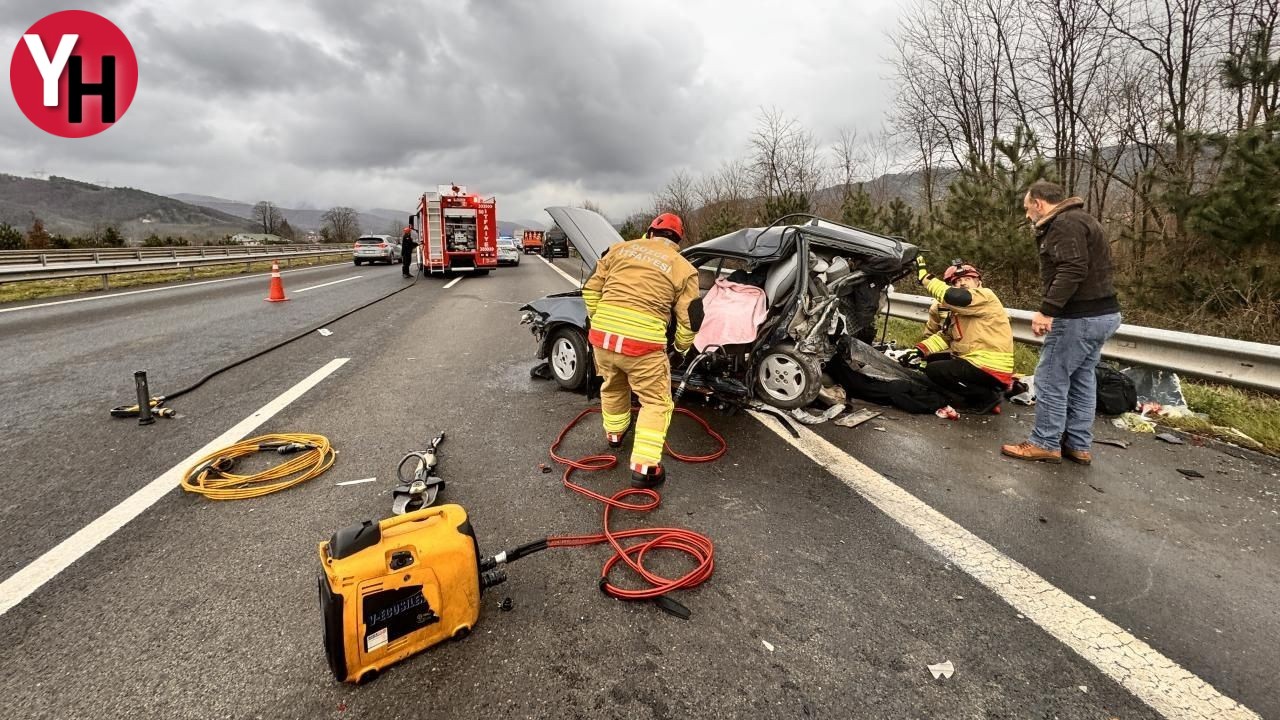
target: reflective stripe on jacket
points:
(978, 332)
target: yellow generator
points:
(396, 587)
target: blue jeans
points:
(1066, 387)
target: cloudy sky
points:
(538, 102)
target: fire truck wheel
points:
(567, 353)
(482, 272)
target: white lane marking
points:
(17, 587)
(1155, 679)
(563, 274)
(333, 282)
(156, 289)
(453, 282)
(356, 482)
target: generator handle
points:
(415, 516)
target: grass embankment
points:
(1254, 414)
(41, 289)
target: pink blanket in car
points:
(732, 312)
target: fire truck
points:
(457, 230)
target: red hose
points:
(697, 545)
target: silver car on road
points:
(376, 248)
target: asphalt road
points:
(198, 609)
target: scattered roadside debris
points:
(1190, 473)
(356, 482)
(767, 645)
(541, 371)
(325, 332)
(1028, 395)
(942, 670)
(804, 417)
(1161, 388)
(1122, 444)
(544, 467)
(1134, 423)
(947, 413)
(1171, 438)
(854, 419)
(1084, 688)
(505, 604)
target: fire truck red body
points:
(458, 231)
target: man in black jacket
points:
(1078, 314)
(407, 245)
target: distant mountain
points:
(71, 207)
(371, 221)
(376, 220)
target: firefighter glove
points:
(922, 270)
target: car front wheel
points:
(786, 378)
(569, 359)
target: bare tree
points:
(680, 196)
(784, 157)
(267, 216)
(342, 223)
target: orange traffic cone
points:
(277, 288)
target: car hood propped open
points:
(589, 232)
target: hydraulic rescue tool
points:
(420, 490)
(394, 588)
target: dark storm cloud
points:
(551, 87)
(234, 58)
(339, 102)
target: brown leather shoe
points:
(1029, 451)
(1081, 457)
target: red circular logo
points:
(73, 73)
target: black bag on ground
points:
(1116, 392)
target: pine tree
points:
(984, 222)
(858, 210)
(785, 204)
(111, 237)
(899, 219)
(10, 237)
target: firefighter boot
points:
(652, 477)
(615, 439)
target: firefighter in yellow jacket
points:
(969, 342)
(636, 288)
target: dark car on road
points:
(823, 283)
(555, 244)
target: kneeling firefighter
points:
(636, 287)
(969, 323)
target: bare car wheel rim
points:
(782, 377)
(564, 359)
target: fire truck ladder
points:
(434, 235)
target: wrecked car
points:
(823, 284)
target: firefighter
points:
(969, 342)
(407, 244)
(636, 287)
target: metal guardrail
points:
(1231, 362)
(25, 265)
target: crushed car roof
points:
(757, 244)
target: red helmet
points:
(408, 230)
(668, 221)
(959, 270)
